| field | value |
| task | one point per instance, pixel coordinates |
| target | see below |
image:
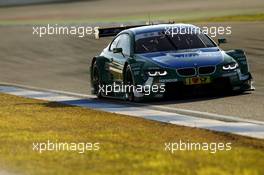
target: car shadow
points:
(95, 103)
(185, 98)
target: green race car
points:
(148, 62)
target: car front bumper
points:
(221, 82)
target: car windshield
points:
(157, 42)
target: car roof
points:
(158, 27)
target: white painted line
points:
(205, 115)
(187, 112)
(14, 85)
(240, 128)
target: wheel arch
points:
(101, 65)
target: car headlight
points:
(155, 73)
(230, 66)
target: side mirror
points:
(117, 50)
(221, 41)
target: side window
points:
(124, 43)
(114, 43)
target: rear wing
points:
(112, 31)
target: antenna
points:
(149, 20)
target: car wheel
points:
(129, 93)
(96, 80)
(129, 81)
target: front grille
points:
(206, 70)
(186, 71)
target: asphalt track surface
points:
(62, 63)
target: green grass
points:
(128, 145)
(221, 16)
(250, 17)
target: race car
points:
(154, 61)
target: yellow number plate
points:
(197, 80)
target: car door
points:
(118, 60)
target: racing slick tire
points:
(96, 80)
(129, 82)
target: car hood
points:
(190, 58)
